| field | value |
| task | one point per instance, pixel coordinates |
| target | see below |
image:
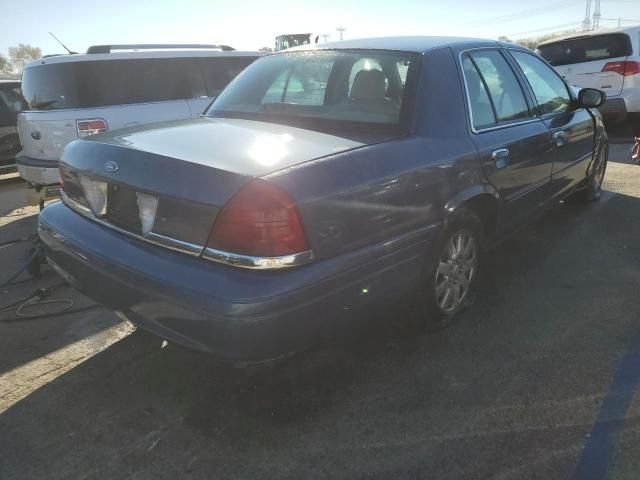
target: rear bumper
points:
(614, 109)
(38, 172)
(237, 314)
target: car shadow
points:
(156, 411)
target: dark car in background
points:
(323, 182)
(11, 102)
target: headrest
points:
(369, 85)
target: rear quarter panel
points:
(380, 192)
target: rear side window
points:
(481, 109)
(587, 49)
(121, 82)
(550, 91)
(498, 83)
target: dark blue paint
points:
(236, 313)
(371, 215)
(596, 456)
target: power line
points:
(554, 27)
(539, 10)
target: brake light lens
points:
(91, 127)
(260, 220)
(623, 68)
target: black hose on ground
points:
(23, 267)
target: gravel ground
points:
(536, 380)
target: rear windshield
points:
(325, 89)
(587, 49)
(119, 82)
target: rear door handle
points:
(500, 157)
(560, 138)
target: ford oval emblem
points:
(111, 166)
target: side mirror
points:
(591, 97)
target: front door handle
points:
(560, 138)
(500, 157)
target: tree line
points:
(19, 56)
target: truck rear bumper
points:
(38, 172)
(614, 109)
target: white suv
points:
(112, 87)
(605, 59)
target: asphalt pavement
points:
(537, 379)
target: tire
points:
(446, 270)
(593, 189)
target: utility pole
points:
(596, 16)
(586, 23)
(340, 30)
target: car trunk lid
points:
(191, 169)
(590, 75)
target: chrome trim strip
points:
(258, 263)
(154, 238)
(172, 243)
(233, 259)
(74, 205)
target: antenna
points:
(63, 45)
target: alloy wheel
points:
(456, 269)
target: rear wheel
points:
(593, 189)
(449, 278)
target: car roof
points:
(593, 33)
(84, 57)
(417, 44)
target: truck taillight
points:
(260, 220)
(91, 127)
(625, 68)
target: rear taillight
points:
(91, 127)
(623, 68)
(260, 220)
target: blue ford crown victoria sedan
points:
(323, 182)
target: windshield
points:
(586, 49)
(335, 90)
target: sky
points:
(251, 24)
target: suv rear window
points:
(586, 49)
(93, 84)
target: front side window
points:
(550, 91)
(332, 89)
(506, 94)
